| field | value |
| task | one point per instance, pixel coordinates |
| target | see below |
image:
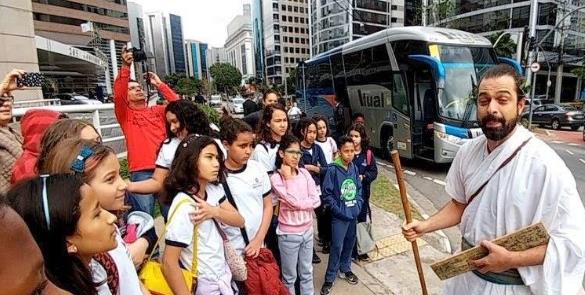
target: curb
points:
(443, 240)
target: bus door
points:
(425, 109)
(400, 117)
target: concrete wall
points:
(17, 43)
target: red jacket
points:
(264, 275)
(144, 128)
(33, 125)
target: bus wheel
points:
(387, 144)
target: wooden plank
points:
(523, 239)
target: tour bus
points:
(414, 85)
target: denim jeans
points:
(342, 242)
(141, 202)
(296, 253)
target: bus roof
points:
(427, 34)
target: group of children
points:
(240, 186)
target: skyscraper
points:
(335, 22)
(196, 59)
(239, 43)
(164, 35)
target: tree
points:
(579, 72)
(291, 81)
(506, 47)
(225, 76)
(173, 79)
(188, 86)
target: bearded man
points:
(501, 182)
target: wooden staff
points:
(406, 206)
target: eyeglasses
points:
(294, 152)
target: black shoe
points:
(364, 258)
(326, 288)
(350, 277)
(326, 249)
(316, 259)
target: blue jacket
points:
(367, 167)
(314, 156)
(342, 191)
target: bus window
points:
(339, 78)
(355, 64)
(399, 97)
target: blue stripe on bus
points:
(457, 131)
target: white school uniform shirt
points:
(166, 155)
(249, 186)
(535, 186)
(129, 283)
(210, 252)
(266, 155)
(329, 148)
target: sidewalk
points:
(392, 270)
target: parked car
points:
(237, 105)
(74, 98)
(556, 116)
(215, 101)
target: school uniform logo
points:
(349, 192)
(256, 183)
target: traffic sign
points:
(535, 67)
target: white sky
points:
(203, 20)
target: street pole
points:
(532, 36)
(304, 89)
(560, 67)
(532, 90)
(424, 12)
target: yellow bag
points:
(151, 274)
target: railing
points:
(105, 123)
(36, 103)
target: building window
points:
(285, 49)
(394, 7)
(303, 20)
(286, 59)
(297, 50)
(302, 10)
(297, 30)
(290, 19)
(297, 40)
(283, 7)
(302, 40)
(296, 9)
(277, 48)
(284, 29)
(302, 30)
(275, 6)
(296, 19)
(289, 8)
(394, 19)
(283, 17)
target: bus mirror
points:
(435, 64)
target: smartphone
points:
(30, 80)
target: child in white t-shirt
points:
(197, 201)
(250, 187)
(326, 142)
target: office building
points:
(196, 59)
(239, 44)
(164, 35)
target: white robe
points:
(536, 186)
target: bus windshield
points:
(463, 68)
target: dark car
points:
(556, 116)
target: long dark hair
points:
(263, 129)
(191, 118)
(184, 171)
(65, 270)
(324, 119)
(302, 126)
(361, 129)
(285, 143)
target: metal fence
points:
(102, 117)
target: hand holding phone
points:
(30, 80)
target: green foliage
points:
(291, 81)
(226, 77)
(579, 72)
(173, 79)
(124, 169)
(506, 47)
(211, 113)
(188, 86)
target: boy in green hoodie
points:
(342, 193)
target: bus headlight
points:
(449, 138)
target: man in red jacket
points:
(143, 126)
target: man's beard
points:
(500, 132)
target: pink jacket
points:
(298, 197)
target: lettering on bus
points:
(372, 101)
